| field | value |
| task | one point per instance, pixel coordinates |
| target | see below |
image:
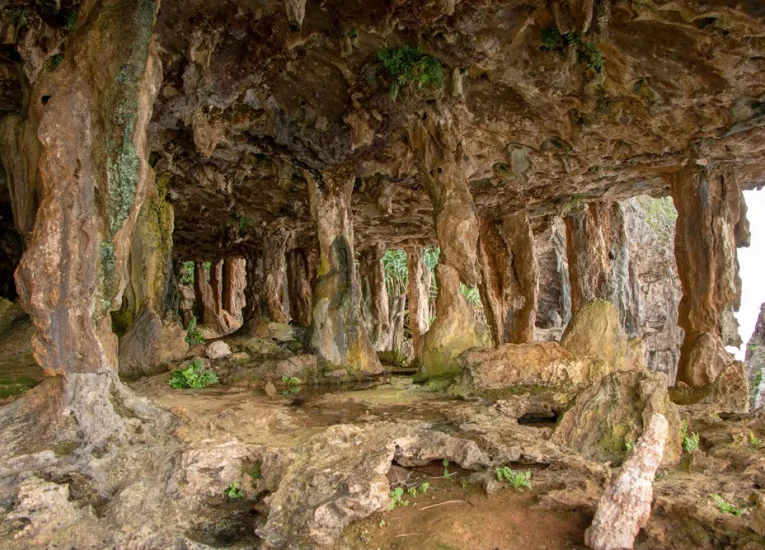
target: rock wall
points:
(755, 360)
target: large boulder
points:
(610, 415)
(150, 345)
(595, 331)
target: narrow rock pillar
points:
(711, 223)
(301, 274)
(598, 260)
(216, 284)
(204, 302)
(418, 298)
(252, 310)
(375, 296)
(509, 287)
(275, 271)
(438, 155)
(90, 116)
(338, 332)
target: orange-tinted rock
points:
(418, 298)
(375, 296)
(301, 275)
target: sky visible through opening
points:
(752, 265)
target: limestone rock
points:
(150, 345)
(270, 389)
(299, 366)
(281, 332)
(626, 504)
(218, 350)
(615, 411)
(595, 331)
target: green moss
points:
(71, 21)
(614, 443)
(660, 216)
(16, 385)
(65, 448)
(54, 61)
(587, 53)
(409, 67)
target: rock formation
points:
(755, 360)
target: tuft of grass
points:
(194, 376)
(726, 507)
(409, 67)
(519, 480)
(690, 441)
(754, 441)
(193, 334)
(234, 491)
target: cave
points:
(444, 274)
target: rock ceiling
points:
(253, 98)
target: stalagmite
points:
(419, 298)
(301, 274)
(375, 296)
(338, 332)
(438, 155)
(709, 211)
(598, 260)
(275, 272)
(509, 287)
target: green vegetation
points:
(240, 222)
(587, 53)
(193, 334)
(628, 445)
(409, 67)
(421, 490)
(394, 357)
(16, 385)
(754, 387)
(396, 498)
(754, 441)
(726, 507)
(187, 273)
(395, 271)
(291, 380)
(471, 294)
(71, 21)
(519, 480)
(690, 442)
(54, 61)
(447, 474)
(194, 376)
(660, 216)
(18, 18)
(233, 491)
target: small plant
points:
(193, 334)
(187, 273)
(396, 498)
(239, 221)
(586, 52)
(726, 507)
(407, 66)
(628, 445)
(71, 22)
(233, 491)
(291, 380)
(194, 376)
(447, 474)
(54, 61)
(421, 490)
(590, 54)
(519, 480)
(754, 441)
(690, 442)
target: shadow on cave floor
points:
(18, 370)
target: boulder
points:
(150, 344)
(626, 503)
(218, 350)
(595, 331)
(299, 366)
(613, 412)
(282, 332)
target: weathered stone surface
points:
(338, 332)
(615, 411)
(301, 276)
(20, 154)
(74, 269)
(150, 345)
(595, 331)
(217, 350)
(300, 366)
(374, 292)
(554, 300)
(510, 278)
(708, 203)
(755, 360)
(626, 503)
(275, 273)
(452, 332)
(418, 298)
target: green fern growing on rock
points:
(193, 334)
(410, 67)
(519, 480)
(194, 376)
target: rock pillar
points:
(301, 274)
(338, 332)
(252, 311)
(438, 155)
(710, 225)
(375, 296)
(510, 281)
(90, 116)
(233, 285)
(216, 284)
(275, 271)
(418, 298)
(598, 260)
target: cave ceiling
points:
(253, 101)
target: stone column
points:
(252, 311)
(204, 299)
(216, 284)
(598, 260)
(710, 225)
(301, 274)
(375, 296)
(418, 298)
(438, 154)
(275, 270)
(338, 332)
(510, 281)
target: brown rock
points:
(270, 390)
(275, 272)
(418, 298)
(217, 350)
(299, 366)
(374, 294)
(150, 345)
(301, 276)
(626, 503)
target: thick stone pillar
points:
(252, 310)
(301, 274)
(438, 155)
(710, 217)
(90, 116)
(598, 260)
(275, 270)
(233, 285)
(20, 155)
(338, 332)
(510, 281)
(375, 296)
(418, 298)
(216, 284)
(204, 300)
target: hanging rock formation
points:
(338, 332)
(709, 228)
(510, 282)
